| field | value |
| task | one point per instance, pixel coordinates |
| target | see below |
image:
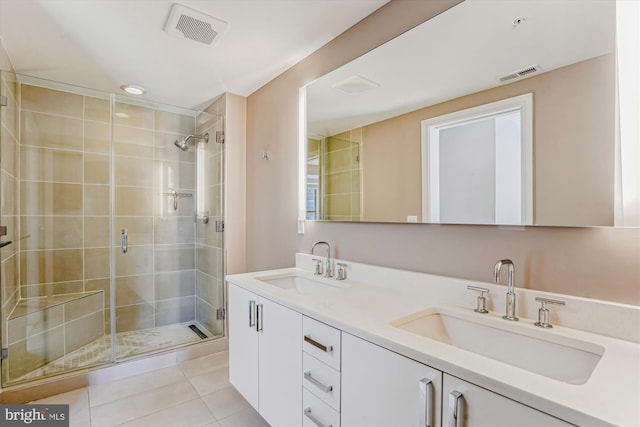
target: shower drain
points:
(198, 332)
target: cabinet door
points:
(243, 343)
(382, 388)
(280, 331)
(466, 404)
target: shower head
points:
(183, 144)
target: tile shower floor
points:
(127, 344)
(191, 394)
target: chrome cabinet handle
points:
(252, 313)
(307, 413)
(259, 324)
(426, 416)
(315, 382)
(124, 237)
(454, 408)
(316, 344)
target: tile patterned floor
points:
(196, 393)
(127, 344)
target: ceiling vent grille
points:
(186, 23)
(522, 73)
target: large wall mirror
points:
(364, 127)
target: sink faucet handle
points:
(481, 302)
(318, 271)
(342, 271)
(543, 311)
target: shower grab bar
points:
(125, 244)
(175, 196)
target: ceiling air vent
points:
(522, 73)
(186, 23)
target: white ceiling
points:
(102, 44)
(464, 50)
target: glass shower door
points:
(210, 254)
(56, 189)
(161, 178)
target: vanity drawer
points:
(321, 380)
(316, 413)
(321, 341)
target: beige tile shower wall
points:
(5, 61)
(590, 262)
(52, 192)
(9, 169)
(155, 279)
(65, 205)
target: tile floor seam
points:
(215, 420)
(146, 389)
(210, 397)
(149, 391)
(219, 405)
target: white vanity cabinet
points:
(265, 356)
(321, 345)
(467, 405)
(382, 388)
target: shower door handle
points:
(125, 244)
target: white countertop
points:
(372, 297)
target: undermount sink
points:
(554, 356)
(302, 285)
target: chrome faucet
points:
(511, 295)
(327, 269)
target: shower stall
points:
(113, 208)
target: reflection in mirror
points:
(476, 165)
(333, 177)
(562, 52)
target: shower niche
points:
(105, 198)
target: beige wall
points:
(592, 262)
(573, 148)
(236, 172)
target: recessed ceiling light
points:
(133, 89)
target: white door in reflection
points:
(477, 165)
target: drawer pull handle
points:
(259, 321)
(307, 413)
(454, 408)
(252, 313)
(426, 387)
(315, 343)
(315, 382)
